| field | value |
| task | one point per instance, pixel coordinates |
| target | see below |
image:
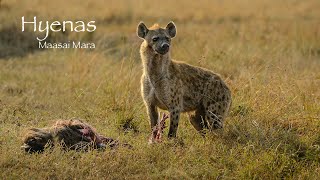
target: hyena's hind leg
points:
(198, 119)
(215, 114)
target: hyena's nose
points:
(165, 46)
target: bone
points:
(157, 131)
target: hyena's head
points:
(157, 38)
(36, 140)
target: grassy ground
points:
(267, 51)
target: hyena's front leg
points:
(175, 104)
(147, 94)
(153, 115)
(174, 122)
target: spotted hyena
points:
(71, 134)
(179, 87)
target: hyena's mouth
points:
(162, 52)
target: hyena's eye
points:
(154, 39)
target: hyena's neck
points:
(155, 66)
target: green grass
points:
(267, 51)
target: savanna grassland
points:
(268, 52)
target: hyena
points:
(179, 87)
(71, 134)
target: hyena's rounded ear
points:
(171, 28)
(142, 30)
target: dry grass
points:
(268, 52)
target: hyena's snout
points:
(163, 48)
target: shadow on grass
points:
(15, 43)
(278, 139)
